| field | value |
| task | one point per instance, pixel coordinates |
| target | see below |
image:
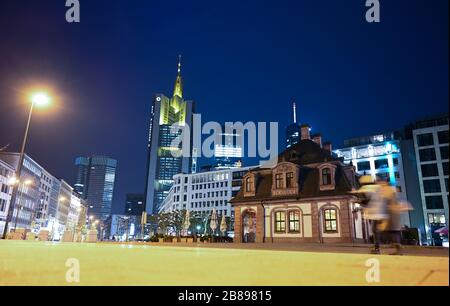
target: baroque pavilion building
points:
(306, 197)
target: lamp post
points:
(38, 99)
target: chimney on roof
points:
(305, 131)
(317, 138)
(327, 146)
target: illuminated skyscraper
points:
(293, 131)
(95, 183)
(164, 159)
(228, 154)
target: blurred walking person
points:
(377, 211)
(384, 211)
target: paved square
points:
(39, 263)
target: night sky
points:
(242, 61)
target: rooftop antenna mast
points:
(295, 112)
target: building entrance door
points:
(249, 226)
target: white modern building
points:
(205, 191)
(44, 211)
(77, 205)
(6, 173)
(42, 201)
(379, 156)
(431, 145)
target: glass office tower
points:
(95, 183)
(164, 159)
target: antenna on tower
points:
(179, 63)
(295, 112)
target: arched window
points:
(249, 184)
(326, 176)
(330, 220)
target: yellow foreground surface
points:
(38, 263)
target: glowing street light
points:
(12, 181)
(38, 99)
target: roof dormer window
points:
(327, 176)
(290, 180)
(285, 179)
(279, 181)
(249, 184)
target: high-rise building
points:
(293, 135)
(82, 164)
(134, 205)
(415, 160)
(228, 153)
(95, 183)
(379, 156)
(430, 139)
(164, 159)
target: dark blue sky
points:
(243, 60)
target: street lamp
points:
(38, 99)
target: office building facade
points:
(430, 138)
(23, 211)
(379, 156)
(203, 192)
(95, 183)
(134, 205)
(48, 204)
(124, 227)
(6, 174)
(164, 159)
(43, 202)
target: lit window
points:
(249, 184)
(280, 222)
(294, 221)
(330, 216)
(279, 181)
(290, 180)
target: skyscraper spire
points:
(178, 91)
(295, 112)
